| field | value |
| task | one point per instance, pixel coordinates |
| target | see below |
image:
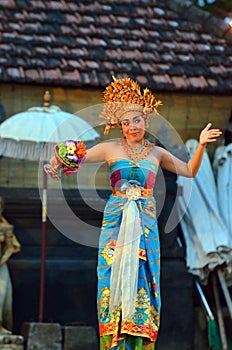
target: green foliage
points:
(62, 151)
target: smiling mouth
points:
(134, 134)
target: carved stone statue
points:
(8, 246)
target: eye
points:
(125, 123)
(137, 120)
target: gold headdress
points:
(124, 95)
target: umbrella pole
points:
(225, 291)
(214, 338)
(219, 313)
(43, 248)
(204, 301)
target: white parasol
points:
(223, 166)
(206, 235)
(32, 135)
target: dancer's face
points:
(133, 126)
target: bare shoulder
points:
(112, 143)
(112, 148)
(158, 152)
(107, 144)
(99, 152)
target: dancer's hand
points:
(209, 135)
(56, 165)
(53, 169)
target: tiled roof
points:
(169, 45)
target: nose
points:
(132, 125)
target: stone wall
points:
(185, 115)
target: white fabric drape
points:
(124, 269)
(206, 235)
(223, 166)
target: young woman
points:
(129, 251)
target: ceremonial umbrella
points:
(32, 135)
(206, 236)
(205, 233)
(223, 166)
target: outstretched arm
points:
(96, 153)
(190, 169)
(70, 155)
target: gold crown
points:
(123, 95)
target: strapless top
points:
(143, 173)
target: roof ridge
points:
(210, 22)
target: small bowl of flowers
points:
(68, 156)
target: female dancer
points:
(129, 251)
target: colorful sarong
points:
(133, 326)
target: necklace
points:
(137, 153)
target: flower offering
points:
(72, 153)
(67, 157)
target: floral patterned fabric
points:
(127, 343)
(140, 330)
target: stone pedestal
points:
(42, 336)
(80, 338)
(11, 342)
